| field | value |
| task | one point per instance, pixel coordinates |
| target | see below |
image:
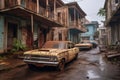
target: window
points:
(116, 1)
(60, 36)
(70, 45)
(23, 3)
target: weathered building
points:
(29, 21)
(91, 31)
(112, 23)
(73, 19)
(102, 35)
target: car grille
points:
(39, 58)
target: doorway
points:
(11, 34)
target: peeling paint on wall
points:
(1, 32)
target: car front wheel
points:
(32, 67)
(61, 65)
(76, 56)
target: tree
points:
(101, 12)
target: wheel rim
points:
(61, 66)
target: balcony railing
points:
(73, 24)
(77, 24)
(10, 3)
(32, 6)
(112, 9)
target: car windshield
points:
(84, 42)
(56, 45)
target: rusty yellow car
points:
(84, 45)
(53, 53)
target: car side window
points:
(70, 45)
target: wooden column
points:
(55, 10)
(74, 16)
(38, 6)
(32, 23)
(47, 5)
(78, 20)
(2, 4)
(19, 2)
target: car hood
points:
(45, 52)
(86, 44)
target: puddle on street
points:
(102, 63)
(92, 75)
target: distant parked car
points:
(84, 45)
(53, 53)
(94, 43)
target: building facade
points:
(102, 36)
(73, 20)
(112, 23)
(29, 21)
(91, 31)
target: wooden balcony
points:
(32, 7)
(76, 25)
(114, 15)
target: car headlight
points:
(27, 56)
(53, 59)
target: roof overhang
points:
(19, 11)
(71, 4)
(76, 30)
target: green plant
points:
(102, 12)
(18, 46)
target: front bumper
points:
(43, 63)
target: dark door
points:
(11, 34)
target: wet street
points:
(90, 65)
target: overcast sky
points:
(90, 7)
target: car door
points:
(71, 51)
(74, 50)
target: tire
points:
(61, 65)
(90, 48)
(76, 56)
(32, 67)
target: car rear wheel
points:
(61, 65)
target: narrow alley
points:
(90, 65)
